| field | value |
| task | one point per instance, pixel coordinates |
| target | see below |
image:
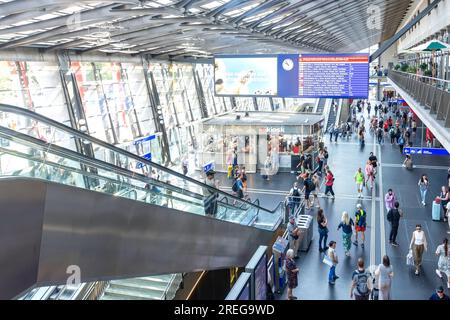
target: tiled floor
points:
(345, 157)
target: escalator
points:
(62, 208)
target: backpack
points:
(392, 132)
(360, 218)
(325, 155)
(311, 185)
(361, 283)
(235, 187)
(295, 193)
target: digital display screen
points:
(261, 279)
(246, 75)
(245, 293)
(340, 75)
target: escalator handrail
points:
(93, 175)
(81, 135)
(75, 156)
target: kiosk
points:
(251, 138)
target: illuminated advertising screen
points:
(339, 75)
(245, 75)
(261, 279)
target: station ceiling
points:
(199, 28)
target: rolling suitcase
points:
(436, 211)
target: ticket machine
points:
(279, 249)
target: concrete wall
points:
(435, 21)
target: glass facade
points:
(116, 101)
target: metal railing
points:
(432, 93)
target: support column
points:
(255, 104)
(76, 113)
(155, 107)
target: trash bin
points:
(304, 222)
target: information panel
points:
(340, 75)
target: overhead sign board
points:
(426, 151)
(340, 75)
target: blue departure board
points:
(340, 75)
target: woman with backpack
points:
(445, 198)
(346, 225)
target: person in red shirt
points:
(329, 180)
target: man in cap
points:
(439, 294)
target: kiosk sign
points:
(426, 151)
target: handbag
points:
(327, 260)
(409, 258)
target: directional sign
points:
(208, 166)
(147, 156)
(426, 151)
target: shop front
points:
(253, 139)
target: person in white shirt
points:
(418, 245)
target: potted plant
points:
(397, 66)
(423, 66)
(404, 67)
(428, 73)
(412, 69)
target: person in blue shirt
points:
(439, 294)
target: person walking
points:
(389, 200)
(329, 181)
(359, 179)
(210, 200)
(294, 235)
(418, 245)
(308, 188)
(322, 223)
(444, 261)
(401, 143)
(346, 225)
(292, 273)
(315, 192)
(361, 282)
(393, 217)
(331, 253)
(445, 198)
(423, 184)
(370, 175)
(294, 198)
(360, 224)
(385, 273)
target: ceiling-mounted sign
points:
(426, 151)
(341, 75)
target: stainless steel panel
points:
(21, 214)
(108, 237)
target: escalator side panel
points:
(21, 217)
(111, 237)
